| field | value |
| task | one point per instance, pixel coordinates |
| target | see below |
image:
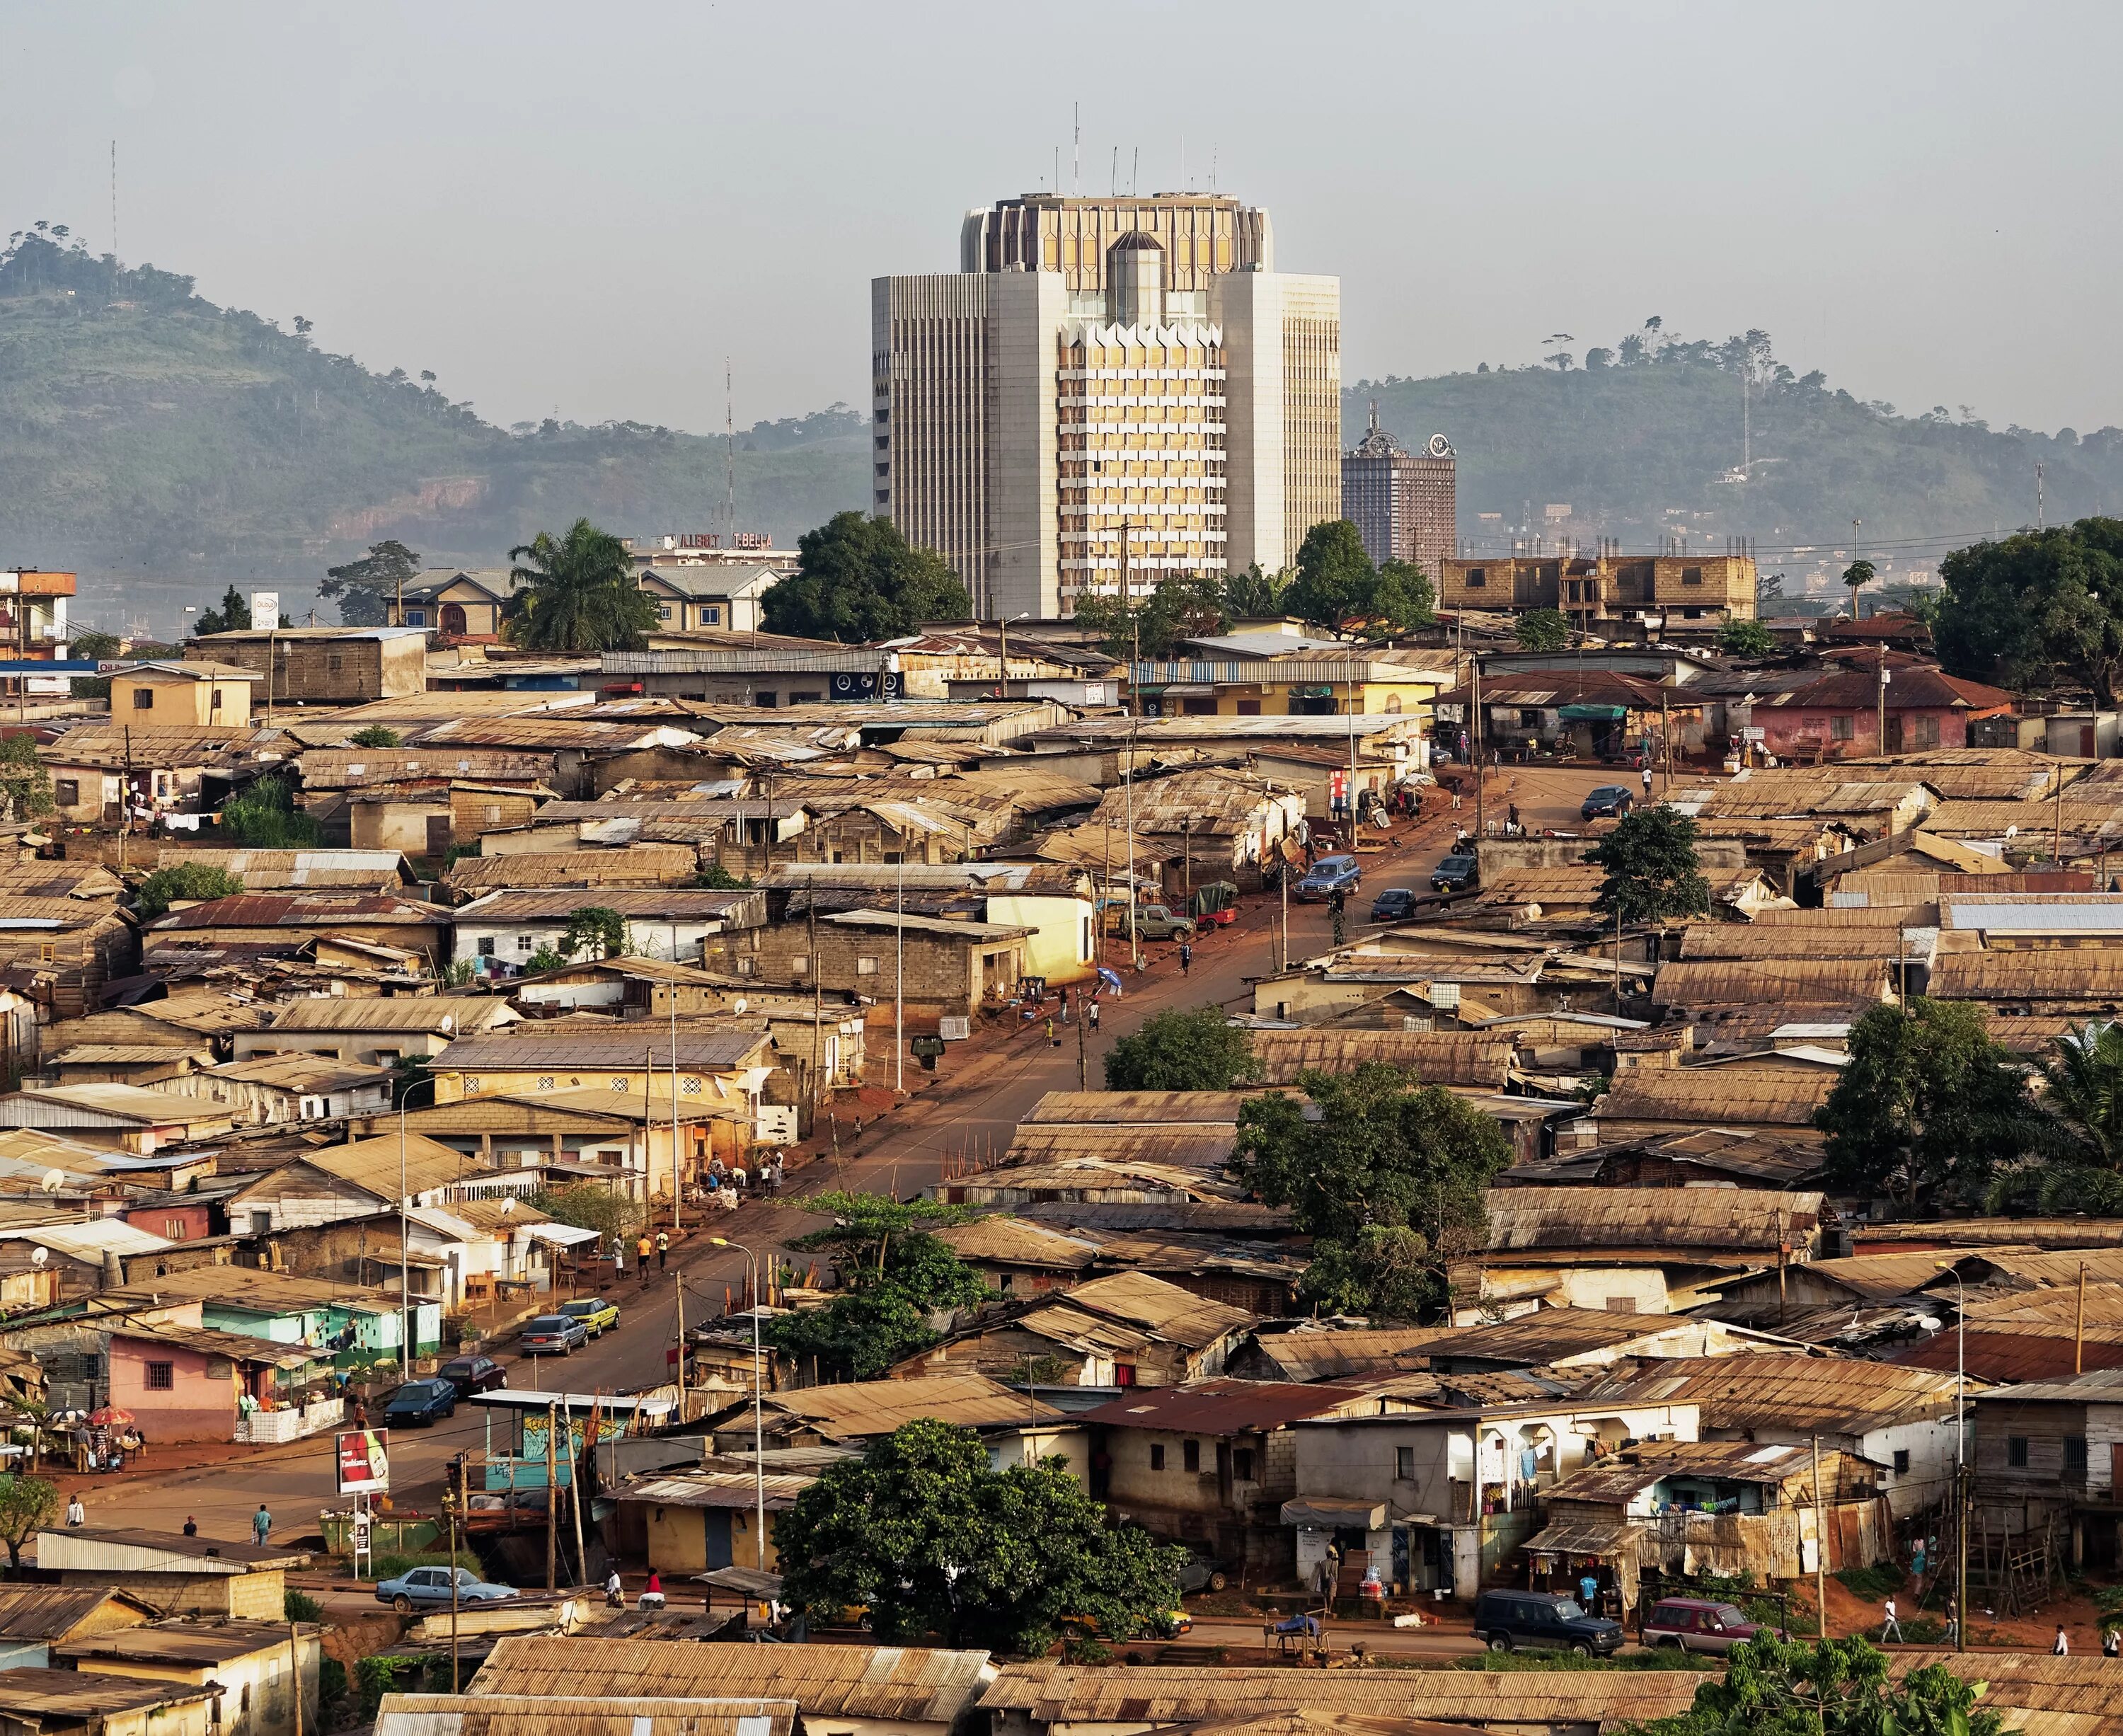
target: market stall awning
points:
(566, 1234)
(1323, 1512)
(1605, 1539)
(748, 1580)
(1592, 714)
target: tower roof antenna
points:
(1076, 151)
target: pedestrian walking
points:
(1094, 1015)
(641, 1258)
(1648, 777)
(1053, 1038)
(1952, 1630)
(261, 1525)
(663, 1249)
(77, 1514)
(2111, 1643)
(1186, 957)
(2062, 1649)
(1892, 1626)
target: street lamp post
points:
(405, 1315)
(758, 1423)
(1960, 1455)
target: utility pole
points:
(1083, 1061)
(817, 1004)
(1666, 749)
(1352, 686)
(678, 1166)
(1820, 1543)
(1882, 685)
(125, 804)
(575, 1489)
(1135, 711)
(552, 1497)
(451, 1499)
(2040, 522)
(1481, 829)
(899, 983)
(295, 1640)
(2078, 1327)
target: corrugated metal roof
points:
(71, 1697)
(223, 1641)
(1129, 1109)
(1682, 1219)
(1438, 1058)
(526, 1049)
(864, 1408)
(645, 904)
(553, 1714)
(458, 1014)
(1717, 1096)
(47, 1611)
(310, 909)
(734, 1489)
(1221, 1406)
(1159, 1307)
(1327, 1353)
(1820, 1395)
(883, 1681)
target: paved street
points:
(955, 1118)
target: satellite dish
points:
(1930, 1323)
(38, 1256)
(52, 1180)
(738, 1005)
(1440, 446)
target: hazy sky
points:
(582, 207)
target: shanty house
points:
(1446, 1498)
(380, 919)
(35, 1618)
(951, 968)
(2049, 1465)
(180, 1575)
(1228, 823)
(1632, 1250)
(501, 931)
(840, 1690)
(260, 1666)
(64, 1702)
(329, 666)
(375, 1032)
(1211, 1461)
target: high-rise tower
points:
(1404, 505)
(1103, 378)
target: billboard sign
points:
(264, 609)
(362, 1459)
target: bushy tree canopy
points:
(596, 926)
(859, 581)
(191, 883)
(1198, 1049)
(1334, 574)
(933, 1543)
(1257, 595)
(576, 595)
(1542, 630)
(2037, 610)
(1928, 1107)
(1745, 639)
(1652, 868)
(1385, 1152)
(1177, 608)
(27, 1505)
(364, 589)
(1826, 1688)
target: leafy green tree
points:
(1542, 630)
(1379, 1150)
(590, 1205)
(1177, 608)
(545, 958)
(25, 786)
(1652, 871)
(1384, 1273)
(2038, 610)
(1857, 575)
(376, 735)
(410, 1077)
(191, 883)
(1928, 1108)
(2084, 1097)
(1746, 638)
(895, 1274)
(1256, 595)
(575, 595)
(595, 925)
(1402, 597)
(859, 581)
(365, 588)
(232, 616)
(716, 878)
(1335, 576)
(27, 1505)
(922, 1533)
(99, 647)
(1826, 1688)
(1199, 1050)
(263, 815)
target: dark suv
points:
(1507, 1620)
(1613, 798)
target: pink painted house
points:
(1837, 716)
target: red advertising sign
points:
(363, 1458)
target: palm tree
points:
(2085, 1094)
(576, 595)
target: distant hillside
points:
(1654, 424)
(149, 436)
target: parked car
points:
(1200, 1572)
(1217, 903)
(1396, 903)
(1152, 922)
(417, 1403)
(1614, 799)
(1701, 1625)
(1507, 1620)
(471, 1374)
(1454, 874)
(598, 1315)
(424, 1587)
(553, 1334)
(1329, 874)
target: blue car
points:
(428, 1587)
(418, 1403)
(1329, 874)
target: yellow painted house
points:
(1274, 675)
(186, 695)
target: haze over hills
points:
(162, 446)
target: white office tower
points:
(1107, 384)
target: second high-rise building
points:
(1107, 385)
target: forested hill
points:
(150, 436)
(1654, 424)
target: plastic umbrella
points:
(110, 1416)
